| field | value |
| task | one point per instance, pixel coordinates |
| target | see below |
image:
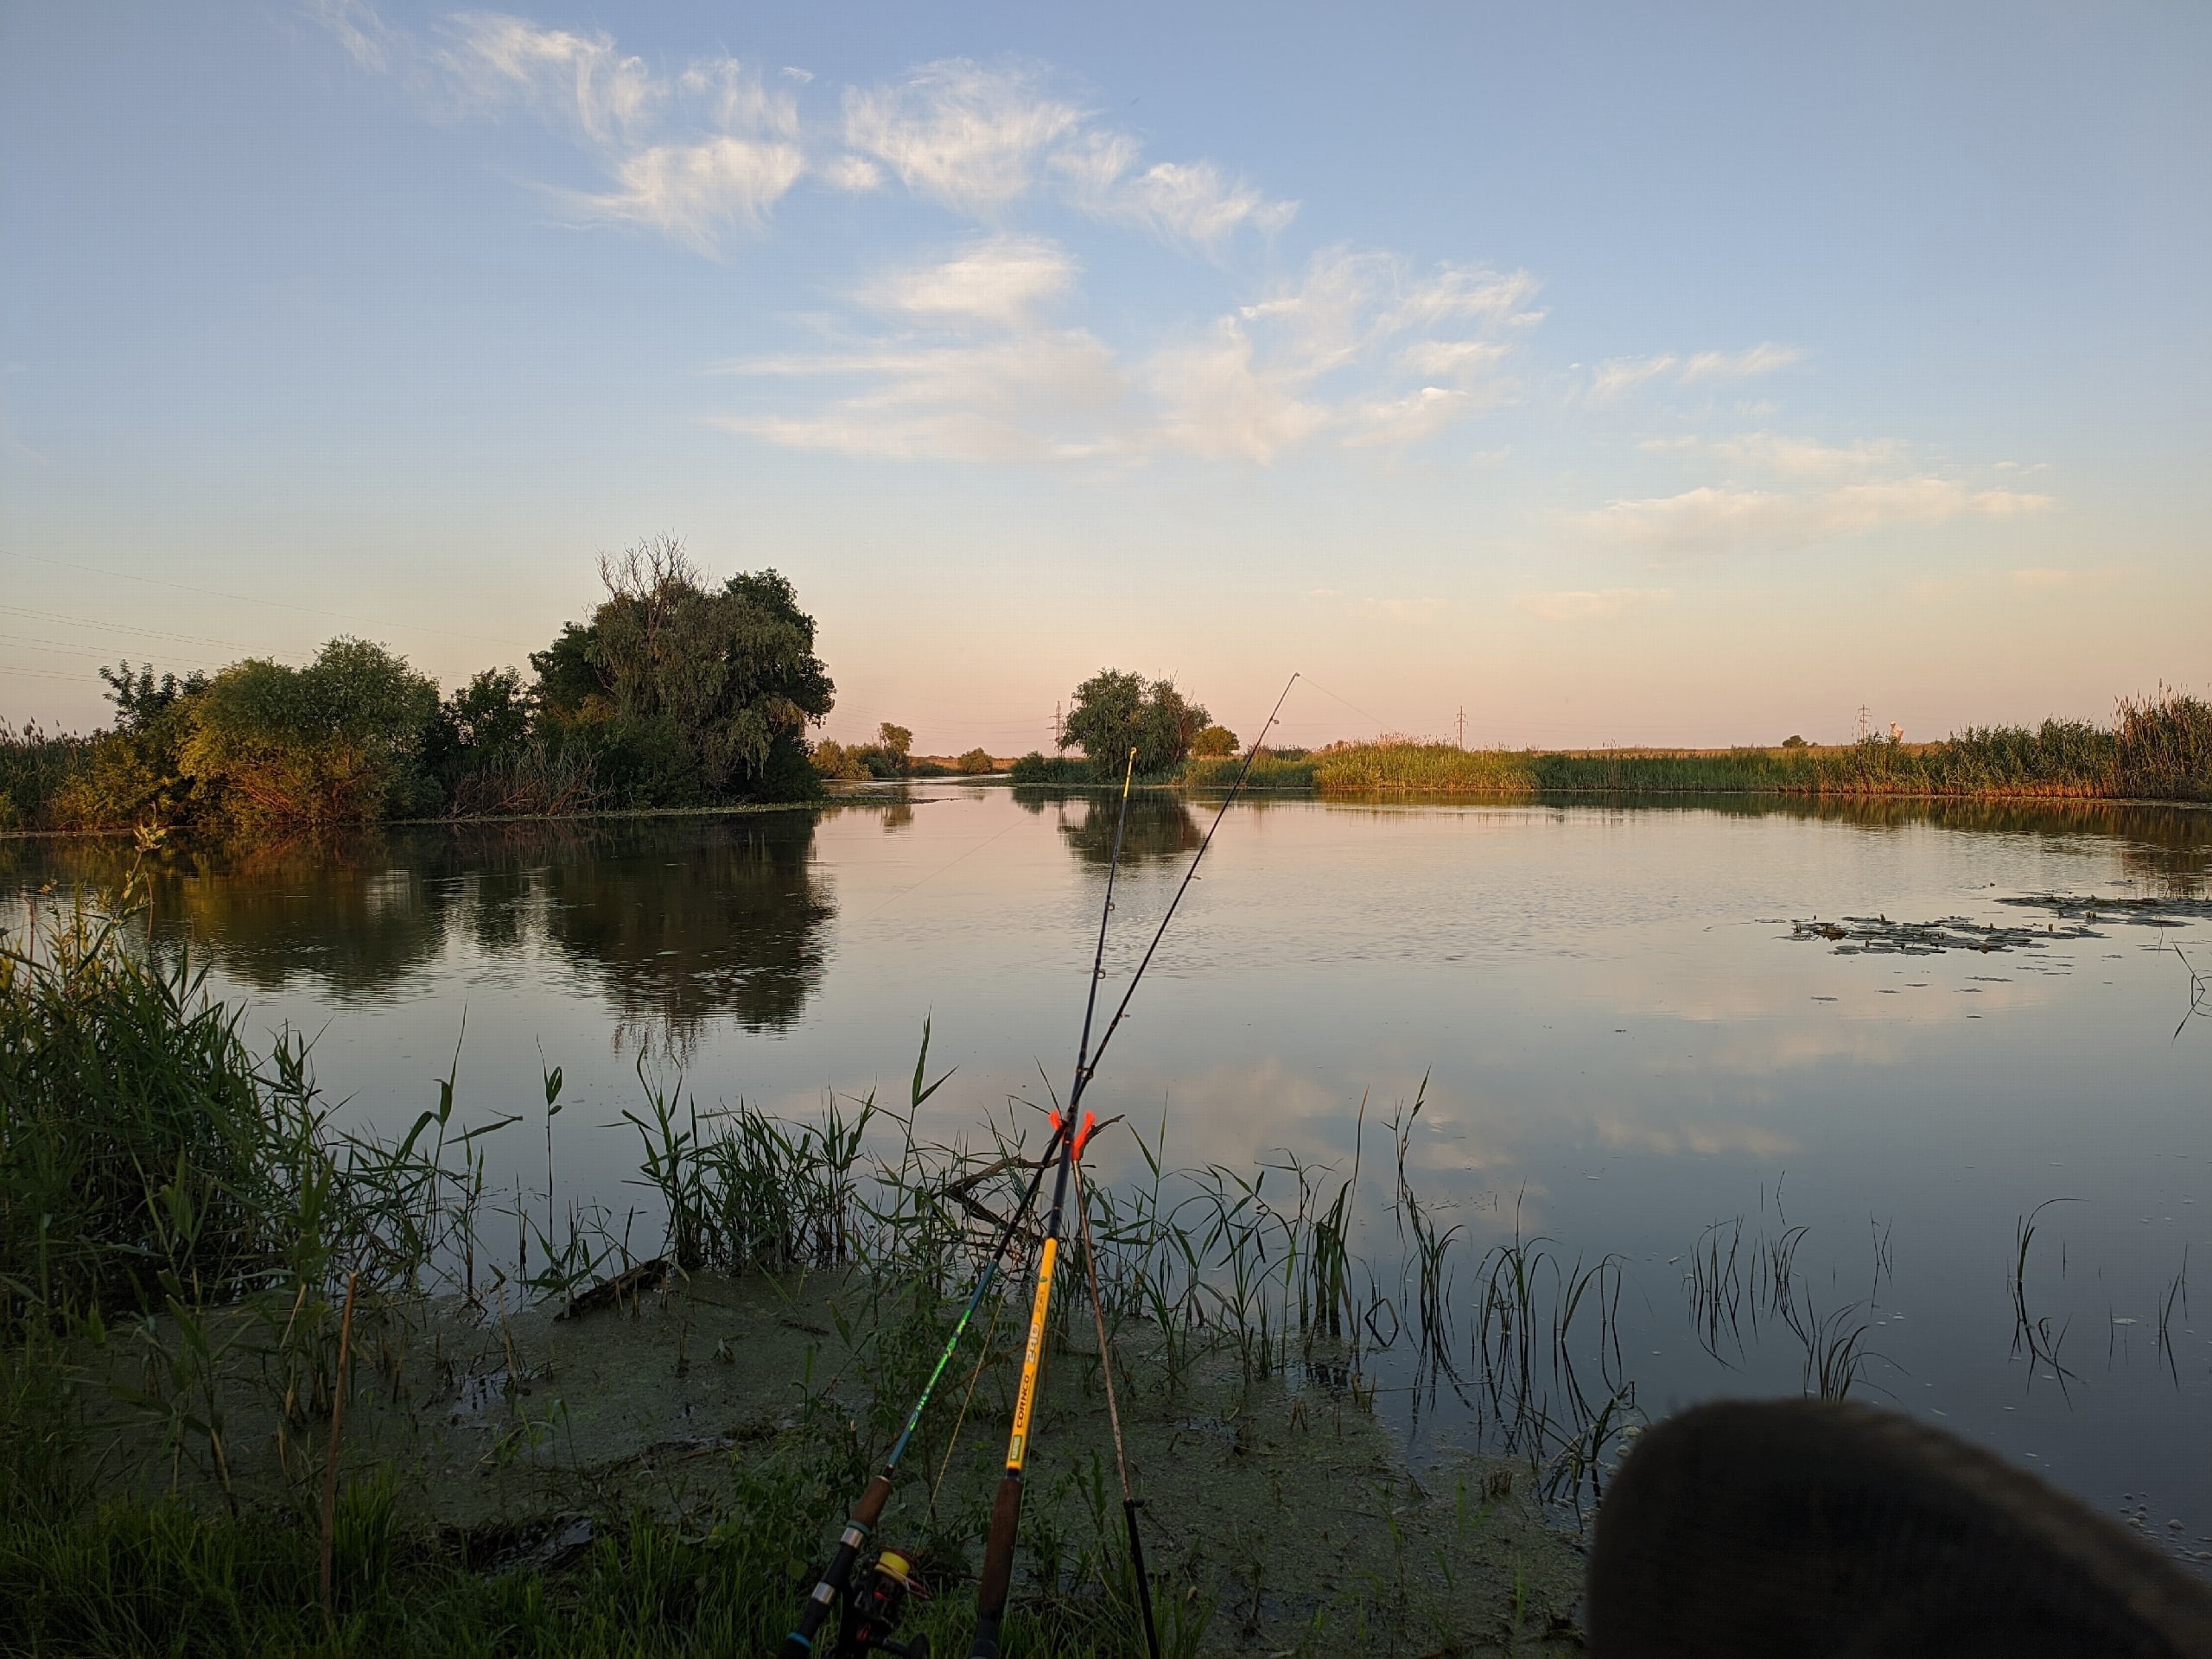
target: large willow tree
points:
(686, 693)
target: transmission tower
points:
(1463, 725)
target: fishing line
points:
(974, 1378)
(1220, 813)
(932, 876)
(1347, 701)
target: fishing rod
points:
(836, 1577)
(1005, 1510)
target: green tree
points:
(134, 774)
(897, 740)
(338, 741)
(1113, 712)
(687, 693)
(975, 763)
(1214, 743)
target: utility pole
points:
(1056, 726)
(1865, 726)
(1463, 725)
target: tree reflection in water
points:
(676, 923)
(1160, 826)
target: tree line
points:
(674, 692)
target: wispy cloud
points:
(712, 149)
(1360, 350)
(1335, 352)
(1782, 456)
(977, 138)
(977, 369)
(1615, 377)
(1589, 604)
(1719, 520)
(971, 138)
(1003, 282)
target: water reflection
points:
(675, 923)
(681, 926)
(1160, 825)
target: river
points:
(1622, 1035)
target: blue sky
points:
(1619, 375)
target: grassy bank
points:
(233, 1337)
(2158, 749)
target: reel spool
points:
(873, 1607)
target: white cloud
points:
(581, 77)
(693, 191)
(981, 371)
(1776, 455)
(1003, 281)
(1717, 520)
(977, 139)
(1588, 604)
(1616, 376)
(970, 137)
(359, 29)
(1740, 366)
(1044, 395)
(1193, 202)
(854, 173)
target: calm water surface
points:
(1622, 1042)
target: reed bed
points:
(2158, 748)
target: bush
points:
(338, 741)
(975, 763)
(1036, 768)
(1214, 742)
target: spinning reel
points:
(873, 1605)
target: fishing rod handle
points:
(998, 1569)
(800, 1643)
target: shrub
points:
(976, 762)
(1036, 768)
(1214, 742)
(335, 743)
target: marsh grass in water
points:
(201, 1274)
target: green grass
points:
(182, 1234)
(2159, 749)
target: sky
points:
(1598, 374)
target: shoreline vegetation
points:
(680, 697)
(2158, 748)
(269, 1387)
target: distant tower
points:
(1865, 726)
(1057, 732)
(1463, 725)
